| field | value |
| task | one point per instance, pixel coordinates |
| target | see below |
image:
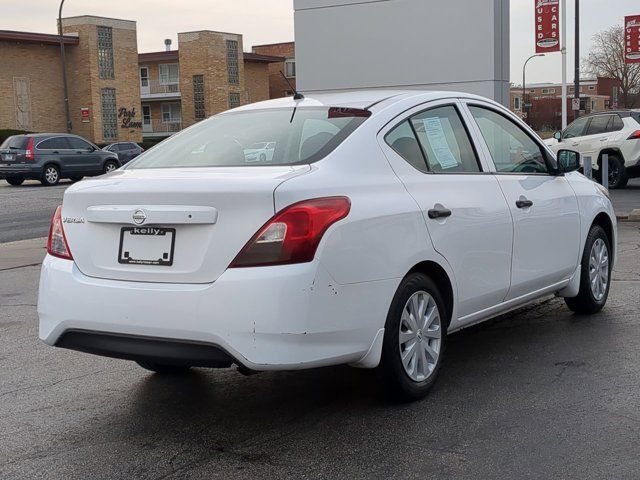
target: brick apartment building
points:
(545, 99)
(278, 86)
(118, 94)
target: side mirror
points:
(558, 135)
(568, 161)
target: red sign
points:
(632, 39)
(547, 26)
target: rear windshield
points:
(303, 136)
(16, 142)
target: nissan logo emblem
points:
(139, 217)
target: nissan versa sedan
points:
(384, 222)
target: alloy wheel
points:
(420, 336)
(599, 269)
(51, 175)
(110, 167)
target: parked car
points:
(260, 152)
(126, 151)
(614, 133)
(48, 157)
(384, 222)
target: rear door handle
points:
(524, 203)
(439, 213)
(604, 139)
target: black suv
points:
(48, 157)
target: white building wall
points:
(424, 44)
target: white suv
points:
(615, 133)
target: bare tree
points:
(606, 59)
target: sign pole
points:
(577, 64)
(563, 36)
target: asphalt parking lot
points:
(539, 393)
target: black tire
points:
(618, 177)
(50, 175)
(586, 302)
(398, 384)
(76, 178)
(109, 166)
(161, 368)
(15, 180)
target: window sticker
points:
(438, 142)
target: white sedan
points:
(385, 221)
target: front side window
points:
(436, 141)
(511, 148)
(105, 52)
(230, 139)
(576, 129)
(79, 144)
(109, 114)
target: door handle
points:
(55, 152)
(524, 203)
(604, 139)
(439, 213)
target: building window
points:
(169, 73)
(547, 91)
(171, 113)
(290, 68)
(109, 114)
(232, 62)
(198, 97)
(592, 87)
(105, 52)
(144, 77)
(234, 100)
(22, 100)
(516, 103)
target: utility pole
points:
(577, 61)
(64, 70)
(563, 47)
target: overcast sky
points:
(269, 21)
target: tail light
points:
(57, 243)
(293, 234)
(30, 153)
(634, 136)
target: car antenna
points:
(296, 94)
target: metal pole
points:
(524, 81)
(604, 171)
(577, 59)
(64, 70)
(563, 34)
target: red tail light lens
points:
(57, 243)
(634, 136)
(293, 235)
(29, 153)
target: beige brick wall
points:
(256, 81)
(205, 53)
(86, 85)
(278, 86)
(40, 64)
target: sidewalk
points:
(627, 200)
(22, 253)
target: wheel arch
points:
(603, 220)
(440, 276)
(610, 151)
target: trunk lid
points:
(168, 225)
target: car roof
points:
(372, 99)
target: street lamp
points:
(524, 77)
(64, 70)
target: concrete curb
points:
(22, 253)
(634, 216)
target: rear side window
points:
(16, 142)
(299, 136)
(616, 124)
(599, 124)
(576, 129)
(436, 141)
(54, 143)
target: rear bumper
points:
(269, 318)
(22, 169)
